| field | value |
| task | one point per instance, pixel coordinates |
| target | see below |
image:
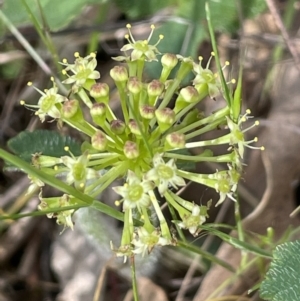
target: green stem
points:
(29, 49)
(217, 141)
(52, 181)
(113, 174)
(205, 129)
(217, 115)
(240, 231)
(227, 95)
(83, 126)
(85, 98)
(227, 158)
(206, 255)
(123, 101)
(133, 279)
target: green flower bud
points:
(99, 141)
(98, 113)
(147, 111)
(175, 140)
(165, 118)
(134, 85)
(185, 68)
(100, 91)
(186, 95)
(70, 108)
(117, 126)
(154, 89)
(38, 160)
(119, 74)
(134, 128)
(169, 60)
(131, 150)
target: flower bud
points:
(154, 89)
(39, 160)
(100, 91)
(134, 85)
(131, 150)
(119, 74)
(147, 111)
(175, 140)
(99, 141)
(98, 113)
(169, 60)
(70, 108)
(134, 128)
(185, 68)
(117, 126)
(165, 118)
(186, 95)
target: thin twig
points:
(289, 43)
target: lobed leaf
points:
(282, 281)
(49, 143)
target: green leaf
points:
(224, 14)
(58, 13)
(49, 143)
(135, 9)
(282, 281)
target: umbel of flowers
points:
(145, 146)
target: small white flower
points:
(123, 251)
(62, 217)
(78, 173)
(144, 241)
(226, 184)
(34, 184)
(164, 174)
(134, 192)
(238, 136)
(49, 103)
(141, 49)
(83, 69)
(195, 219)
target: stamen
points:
(256, 123)
(117, 203)
(226, 64)
(151, 33)
(212, 54)
(161, 36)
(128, 26)
(76, 54)
(67, 149)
